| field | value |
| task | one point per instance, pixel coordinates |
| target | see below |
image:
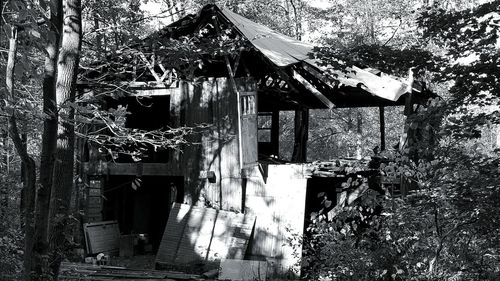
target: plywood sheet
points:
(203, 234)
(102, 237)
(279, 205)
(195, 242)
(230, 236)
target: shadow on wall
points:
(202, 234)
(270, 230)
(213, 104)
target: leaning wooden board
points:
(196, 234)
(102, 237)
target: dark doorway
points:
(142, 206)
(321, 197)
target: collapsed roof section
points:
(286, 76)
(286, 59)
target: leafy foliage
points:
(446, 230)
(11, 234)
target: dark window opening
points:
(264, 127)
(268, 134)
(145, 113)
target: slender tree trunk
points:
(62, 183)
(359, 134)
(29, 167)
(98, 38)
(49, 138)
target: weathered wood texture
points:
(249, 128)
(278, 202)
(382, 127)
(127, 169)
(196, 234)
(102, 237)
(78, 271)
(93, 206)
(214, 103)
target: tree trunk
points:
(29, 167)
(49, 138)
(62, 181)
(359, 134)
(301, 135)
(98, 37)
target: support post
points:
(301, 135)
(275, 132)
(382, 127)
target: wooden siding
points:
(102, 237)
(93, 206)
(211, 103)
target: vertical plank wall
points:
(213, 104)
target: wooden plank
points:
(153, 92)
(148, 169)
(195, 242)
(313, 90)
(102, 237)
(94, 192)
(79, 271)
(150, 67)
(172, 236)
(202, 234)
(93, 206)
(382, 127)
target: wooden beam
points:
(131, 169)
(320, 76)
(313, 90)
(301, 133)
(382, 127)
(151, 92)
(150, 66)
(275, 132)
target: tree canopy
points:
(448, 230)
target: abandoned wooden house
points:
(227, 182)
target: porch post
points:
(382, 127)
(301, 135)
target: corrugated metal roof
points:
(283, 51)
